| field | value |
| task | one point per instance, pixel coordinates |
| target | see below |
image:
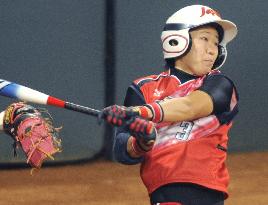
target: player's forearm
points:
(198, 104)
(176, 110)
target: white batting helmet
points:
(176, 39)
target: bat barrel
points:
(82, 109)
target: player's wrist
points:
(138, 149)
(151, 111)
(144, 112)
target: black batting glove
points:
(143, 130)
(117, 115)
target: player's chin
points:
(204, 70)
(207, 69)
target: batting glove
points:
(142, 129)
(117, 115)
(144, 134)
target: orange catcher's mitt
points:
(32, 131)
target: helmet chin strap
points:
(222, 55)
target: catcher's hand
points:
(33, 132)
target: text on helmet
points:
(205, 11)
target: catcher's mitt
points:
(33, 132)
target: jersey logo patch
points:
(158, 93)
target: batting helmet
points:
(176, 40)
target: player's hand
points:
(117, 115)
(144, 131)
(143, 136)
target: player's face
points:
(204, 51)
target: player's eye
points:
(204, 38)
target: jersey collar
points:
(183, 76)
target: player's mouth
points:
(209, 62)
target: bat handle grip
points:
(82, 109)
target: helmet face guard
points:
(176, 40)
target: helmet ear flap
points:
(174, 42)
(189, 46)
(222, 54)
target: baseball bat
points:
(20, 92)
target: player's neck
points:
(179, 65)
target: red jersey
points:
(188, 151)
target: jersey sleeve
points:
(221, 90)
(133, 97)
(120, 149)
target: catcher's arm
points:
(32, 131)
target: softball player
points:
(192, 105)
